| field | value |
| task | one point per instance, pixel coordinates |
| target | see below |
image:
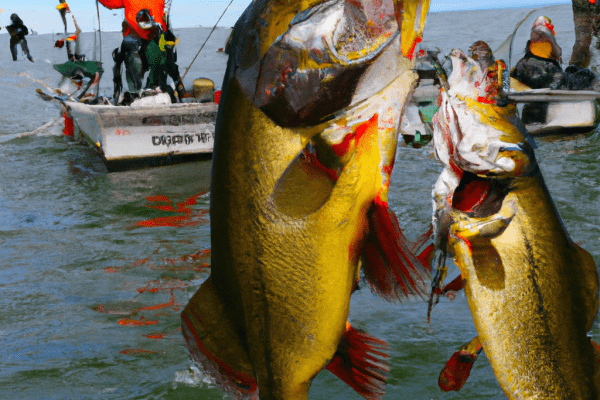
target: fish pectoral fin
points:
(458, 368)
(304, 186)
(456, 285)
(361, 362)
(488, 227)
(389, 264)
(215, 344)
(596, 347)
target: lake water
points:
(95, 267)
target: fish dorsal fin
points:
(361, 362)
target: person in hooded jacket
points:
(18, 31)
(541, 66)
(144, 26)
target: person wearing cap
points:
(18, 31)
(133, 7)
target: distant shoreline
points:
(431, 12)
(499, 9)
(57, 33)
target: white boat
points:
(127, 137)
(415, 125)
(550, 111)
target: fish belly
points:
(533, 296)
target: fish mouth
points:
(478, 196)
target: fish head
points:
(468, 79)
(300, 62)
(473, 133)
(482, 53)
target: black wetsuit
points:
(538, 72)
(162, 63)
(18, 31)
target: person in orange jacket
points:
(134, 39)
(133, 7)
(143, 19)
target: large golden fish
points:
(306, 139)
(533, 293)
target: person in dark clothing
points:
(129, 54)
(586, 18)
(18, 31)
(154, 53)
(161, 58)
(73, 54)
(541, 66)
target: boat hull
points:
(560, 117)
(147, 135)
(550, 111)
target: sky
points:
(42, 17)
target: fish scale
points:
(533, 293)
(303, 154)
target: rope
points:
(188, 68)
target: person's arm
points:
(112, 4)
(77, 30)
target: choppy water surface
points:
(96, 267)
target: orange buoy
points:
(69, 129)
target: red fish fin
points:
(458, 368)
(215, 344)
(389, 264)
(424, 238)
(596, 350)
(361, 362)
(426, 255)
(456, 285)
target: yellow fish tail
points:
(215, 344)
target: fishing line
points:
(188, 68)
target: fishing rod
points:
(169, 3)
(508, 42)
(99, 30)
(214, 27)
